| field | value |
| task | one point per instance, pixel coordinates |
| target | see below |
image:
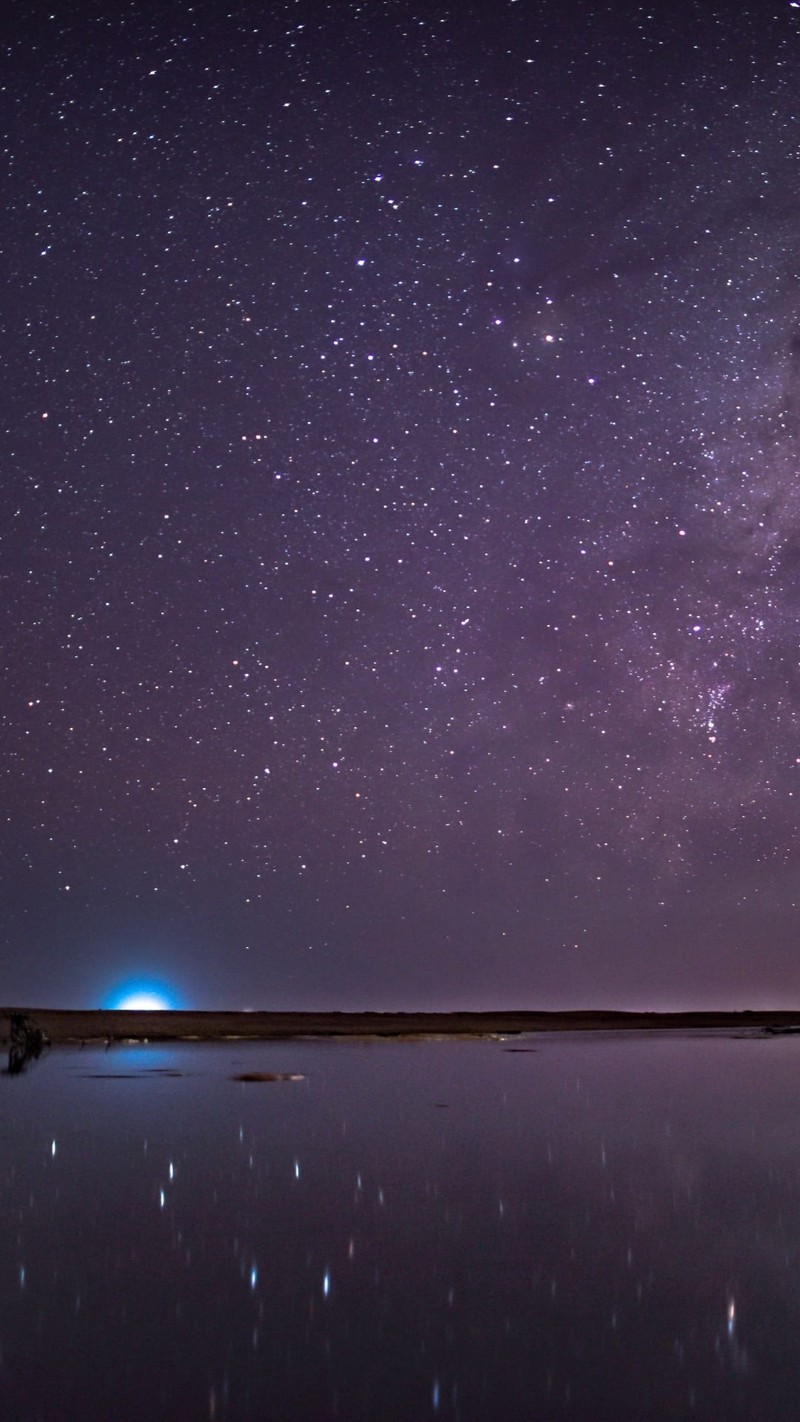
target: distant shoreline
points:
(76, 1025)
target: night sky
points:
(401, 503)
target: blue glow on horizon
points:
(141, 997)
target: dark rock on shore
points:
(27, 1042)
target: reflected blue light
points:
(141, 997)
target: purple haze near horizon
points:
(401, 514)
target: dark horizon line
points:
(209, 1024)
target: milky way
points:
(401, 503)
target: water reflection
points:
(597, 1228)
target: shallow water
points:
(591, 1228)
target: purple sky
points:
(401, 504)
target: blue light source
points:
(141, 997)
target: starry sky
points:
(400, 536)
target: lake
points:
(582, 1227)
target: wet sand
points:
(116, 1026)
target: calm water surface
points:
(587, 1229)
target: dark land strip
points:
(76, 1025)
